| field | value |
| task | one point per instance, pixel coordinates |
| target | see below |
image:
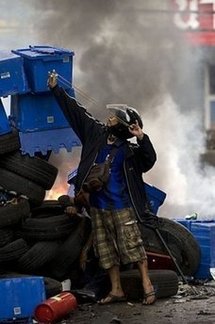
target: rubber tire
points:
(67, 254)
(6, 236)
(165, 283)
(47, 208)
(35, 235)
(182, 244)
(14, 182)
(38, 255)
(33, 168)
(13, 251)
(12, 213)
(49, 228)
(46, 223)
(9, 142)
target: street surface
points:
(182, 308)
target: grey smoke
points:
(124, 50)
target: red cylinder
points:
(55, 308)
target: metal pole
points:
(173, 259)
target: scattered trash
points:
(84, 295)
(106, 317)
(187, 292)
(201, 312)
(182, 300)
(210, 283)
(115, 320)
(7, 197)
(212, 272)
(192, 216)
(66, 285)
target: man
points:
(116, 208)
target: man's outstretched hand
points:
(52, 79)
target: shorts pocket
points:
(132, 236)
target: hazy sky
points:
(126, 53)
(17, 20)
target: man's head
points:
(121, 117)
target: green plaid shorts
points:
(116, 237)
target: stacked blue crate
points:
(4, 122)
(36, 114)
(19, 297)
(40, 60)
(204, 233)
(188, 222)
(12, 77)
(12, 81)
(155, 197)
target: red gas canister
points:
(55, 308)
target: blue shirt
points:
(115, 194)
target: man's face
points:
(112, 120)
(117, 128)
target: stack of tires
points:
(36, 236)
(28, 176)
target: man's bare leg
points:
(116, 288)
(146, 282)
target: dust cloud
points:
(131, 52)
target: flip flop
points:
(149, 294)
(112, 299)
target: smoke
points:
(178, 169)
(131, 52)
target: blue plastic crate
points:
(4, 122)
(46, 140)
(12, 76)
(20, 296)
(155, 197)
(34, 112)
(204, 232)
(188, 222)
(203, 272)
(40, 60)
(28, 320)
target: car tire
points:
(14, 182)
(165, 283)
(67, 254)
(9, 142)
(11, 214)
(13, 251)
(182, 244)
(33, 168)
(48, 208)
(38, 255)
